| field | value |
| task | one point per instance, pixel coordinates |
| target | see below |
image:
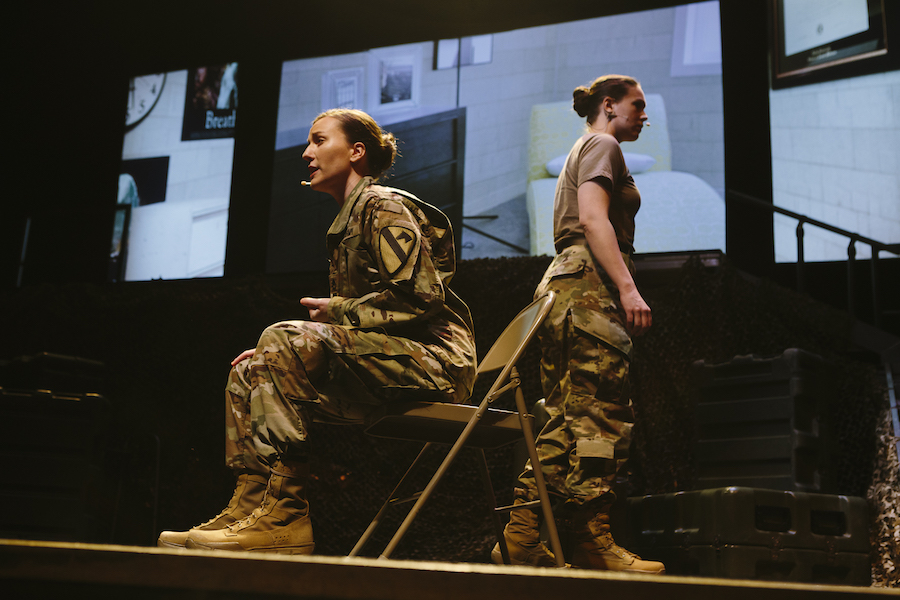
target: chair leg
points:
(555, 544)
(436, 479)
(390, 500)
(492, 505)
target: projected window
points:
(175, 178)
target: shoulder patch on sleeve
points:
(398, 247)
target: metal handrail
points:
(877, 248)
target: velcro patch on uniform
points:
(398, 246)
(595, 447)
(391, 206)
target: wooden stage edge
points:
(42, 569)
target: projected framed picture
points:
(343, 88)
(818, 39)
(395, 77)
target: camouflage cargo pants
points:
(303, 370)
(585, 356)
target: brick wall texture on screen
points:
(167, 348)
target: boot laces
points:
(607, 543)
(213, 520)
(231, 504)
(254, 516)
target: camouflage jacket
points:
(391, 259)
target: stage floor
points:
(54, 569)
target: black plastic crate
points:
(54, 454)
(50, 371)
(762, 422)
(753, 533)
(794, 372)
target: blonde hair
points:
(381, 146)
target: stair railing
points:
(802, 220)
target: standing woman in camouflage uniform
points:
(390, 327)
(586, 339)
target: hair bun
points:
(586, 100)
(581, 99)
(388, 140)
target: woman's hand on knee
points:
(242, 356)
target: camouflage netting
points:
(167, 346)
(884, 502)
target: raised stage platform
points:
(66, 570)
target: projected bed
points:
(679, 211)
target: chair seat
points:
(443, 423)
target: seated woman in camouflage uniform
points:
(390, 328)
(586, 339)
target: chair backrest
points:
(512, 342)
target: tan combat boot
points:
(523, 540)
(595, 548)
(280, 524)
(248, 494)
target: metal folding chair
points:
(467, 425)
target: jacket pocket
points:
(601, 327)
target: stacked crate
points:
(53, 453)
(762, 422)
(50, 371)
(747, 533)
(54, 449)
(764, 504)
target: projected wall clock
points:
(143, 94)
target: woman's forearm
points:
(593, 210)
(601, 239)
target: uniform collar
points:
(340, 221)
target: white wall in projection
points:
(182, 182)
